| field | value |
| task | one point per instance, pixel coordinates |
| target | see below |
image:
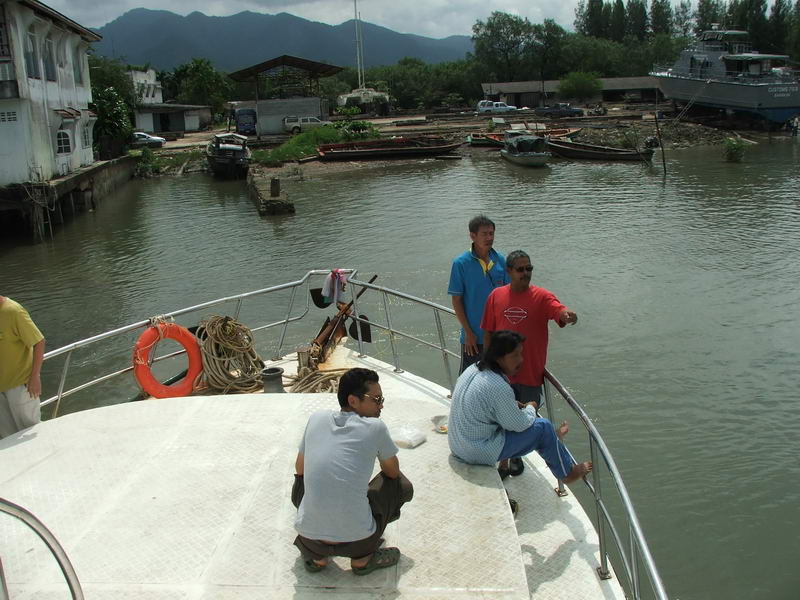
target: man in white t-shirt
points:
(340, 512)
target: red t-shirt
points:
(527, 313)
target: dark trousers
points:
(386, 496)
(467, 360)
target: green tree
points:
(780, 20)
(588, 54)
(707, 13)
(793, 43)
(661, 17)
(501, 43)
(112, 73)
(580, 18)
(546, 48)
(683, 20)
(636, 12)
(580, 85)
(595, 25)
(751, 15)
(113, 129)
(201, 83)
(616, 28)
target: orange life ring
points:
(141, 360)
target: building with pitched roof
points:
(45, 122)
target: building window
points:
(5, 44)
(8, 116)
(87, 136)
(32, 55)
(77, 66)
(49, 60)
(63, 143)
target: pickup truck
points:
(561, 109)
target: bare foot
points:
(579, 471)
(562, 430)
(321, 563)
(503, 464)
(360, 562)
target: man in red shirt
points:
(526, 309)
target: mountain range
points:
(166, 40)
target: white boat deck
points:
(189, 498)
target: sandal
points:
(313, 567)
(515, 467)
(503, 472)
(380, 559)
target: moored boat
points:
(228, 155)
(720, 70)
(526, 150)
(486, 139)
(189, 496)
(568, 149)
(387, 148)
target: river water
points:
(686, 349)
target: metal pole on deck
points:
(602, 570)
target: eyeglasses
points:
(527, 268)
(376, 399)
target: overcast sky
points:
(432, 18)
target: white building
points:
(153, 115)
(45, 121)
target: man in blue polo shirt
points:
(473, 276)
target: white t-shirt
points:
(339, 451)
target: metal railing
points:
(633, 554)
(50, 541)
(788, 77)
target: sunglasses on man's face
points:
(376, 399)
(527, 268)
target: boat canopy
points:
(230, 138)
(755, 57)
(527, 143)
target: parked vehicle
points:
(560, 109)
(295, 125)
(142, 139)
(488, 106)
(246, 119)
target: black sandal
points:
(515, 466)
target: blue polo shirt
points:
(469, 280)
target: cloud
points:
(432, 18)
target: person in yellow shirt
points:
(21, 356)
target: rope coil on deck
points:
(230, 362)
(309, 381)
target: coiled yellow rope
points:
(230, 362)
(307, 381)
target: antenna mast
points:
(359, 47)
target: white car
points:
(488, 106)
(145, 139)
(295, 125)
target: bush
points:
(733, 149)
(580, 85)
(305, 144)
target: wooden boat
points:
(387, 148)
(486, 139)
(561, 132)
(526, 150)
(228, 155)
(569, 149)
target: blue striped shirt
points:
(483, 408)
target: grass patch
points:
(305, 144)
(733, 149)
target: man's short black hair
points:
(356, 382)
(480, 221)
(501, 343)
(513, 256)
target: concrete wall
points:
(272, 112)
(147, 87)
(192, 121)
(116, 173)
(144, 121)
(33, 148)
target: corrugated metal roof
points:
(314, 68)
